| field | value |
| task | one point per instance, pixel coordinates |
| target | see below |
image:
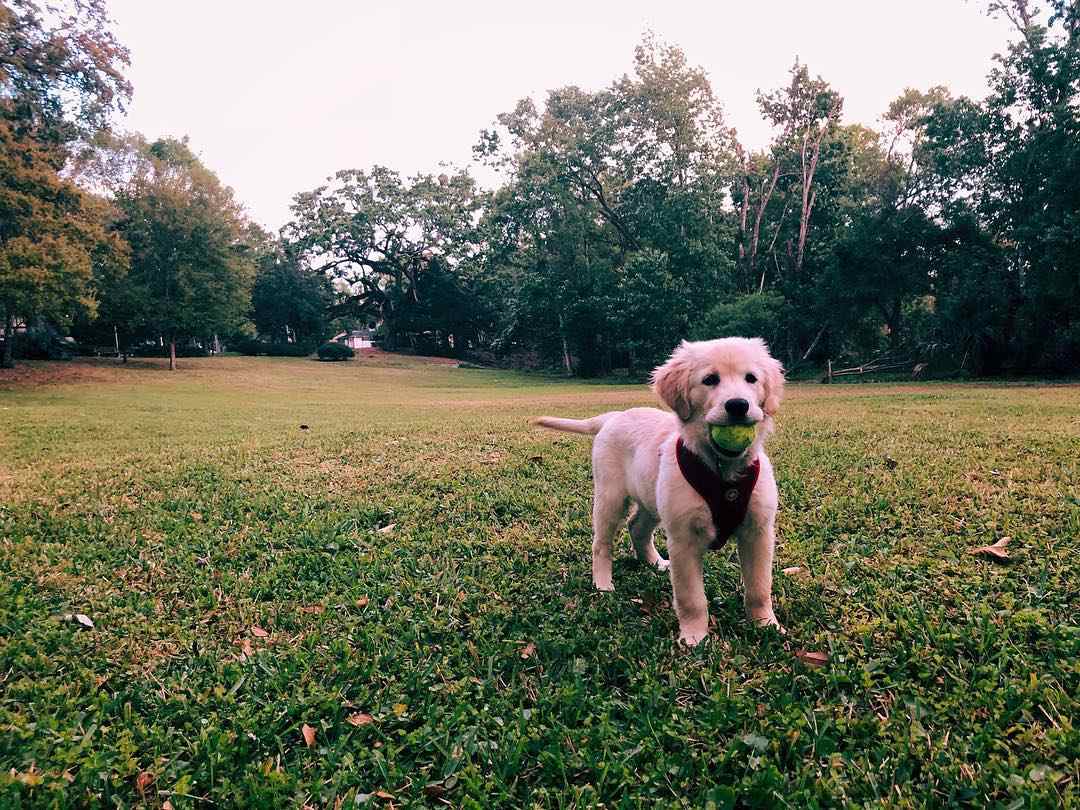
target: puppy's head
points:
(728, 381)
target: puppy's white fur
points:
(634, 464)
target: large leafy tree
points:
(611, 229)
(289, 301)
(804, 114)
(60, 79)
(552, 258)
(53, 239)
(882, 245)
(193, 252)
(381, 234)
(61, 69)
(1011, 165)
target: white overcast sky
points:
(276, 95)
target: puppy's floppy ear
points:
(671, 382)
(773, 383)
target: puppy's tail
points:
(589, 427)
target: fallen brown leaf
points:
(382, 794)
(312, 609)
(813, 659)
(143, 781)
(309, 735)
(998, 550)
(389, 527)
(258, 632)
(360, 719)
(362, 602)
(246, 649)
(32, 778)
(166, 805)
(528, 650)
(794, 570)
(435, 790)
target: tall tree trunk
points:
(8, 360)
(895, 324)
(172, 354)
(767, 190)
(565, 348)
(811, 153)
(744, 210)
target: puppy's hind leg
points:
(609, 512)
(642, 526)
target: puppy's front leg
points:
(755, 560)
(688, 586)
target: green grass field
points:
(244, 582)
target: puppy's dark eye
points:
(750, 378)
(711, 380)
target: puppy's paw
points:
(662, 565)
(691, 638)
(769, 621)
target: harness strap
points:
(728, 501)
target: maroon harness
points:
(728, 500)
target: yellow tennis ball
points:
(732, 438)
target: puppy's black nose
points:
(737, 407)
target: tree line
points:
(625, 219)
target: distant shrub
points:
(43, 342)
(249, 346)
(253, 347)
(289, 349)
(754, 315)
(335, 351)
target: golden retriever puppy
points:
(669, 468)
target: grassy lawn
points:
(409, 579)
